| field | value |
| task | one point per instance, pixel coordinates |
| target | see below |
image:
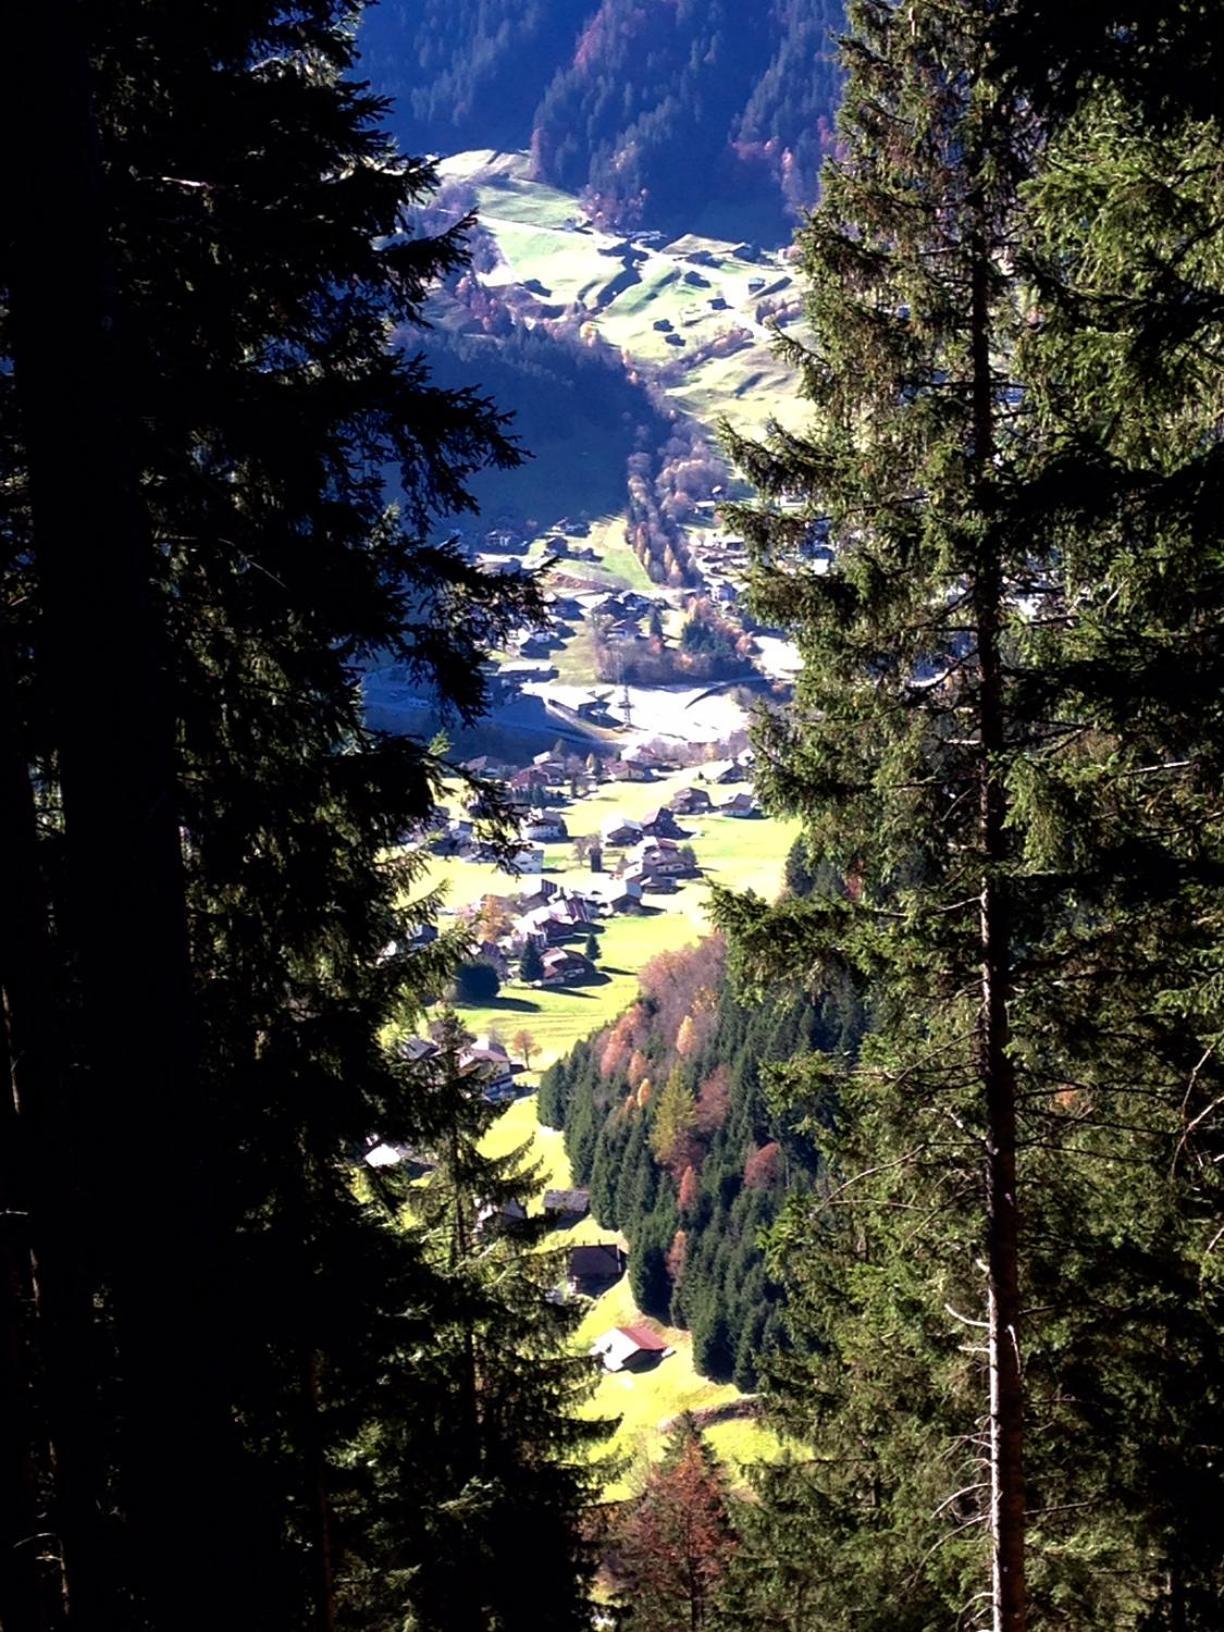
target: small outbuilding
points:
(630, 1348)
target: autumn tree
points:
(670, 1545)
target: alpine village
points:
(612, 816)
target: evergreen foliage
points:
(201, 833)
(667, 1116)
(501, 1461)
(1007, 839)
(625, 102)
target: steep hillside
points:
(467, 73)
(668, 1120)
(676, 115)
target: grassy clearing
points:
(559, 1017)
(645, 1400)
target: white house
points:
(624, 1346)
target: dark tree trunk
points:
(49, 1352)
(1007, 1498)
(123, 912)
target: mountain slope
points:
(669, 114)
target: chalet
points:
(537, 645)
(654, 883)
(552, 767)
(493, 1218)
(612, 895)
(487, 766)
(566, 1207)
(416, 1049)
(565, 967)
(658, 858)
(626, 1348)
(527, 858)
(546, 827)
(459, 835)
(640, 754)
(492, 1066)
(542, 892)
(621, 830)
(662, 824)
(523, 782)
(743, 804)
(691, 802)
(592, 1270)
(543, 926)
(738, 769)
(629, 770)
(525, 669)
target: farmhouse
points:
(545, 827)
(523, 783)
(657, 858)
(625, 1348)
(621, 830)
(566, 1206)
(593, 1270)
(493, 1218)
(662, 824)
(491, 1064)
(416, 1049)
(690, 802)
(564, 967)
(743, 804)
(613, 895)
(542, 891)
(633, 873)
(628, 770)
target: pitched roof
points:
(566, 1201)
(644, 1338)
(592, 1262)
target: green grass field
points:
(560, 1017)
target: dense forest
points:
(702, 115)
(669, 1119)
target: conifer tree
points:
(671, 1544)
(487, 1533)
(903, 733)
(244, 292)
(998, 778)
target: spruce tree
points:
(1003, 748)
(903, 734)
(226, 362)
(488, 1532)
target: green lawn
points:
(744, 855)
(559, 1017)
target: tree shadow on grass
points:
(511, 1005)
